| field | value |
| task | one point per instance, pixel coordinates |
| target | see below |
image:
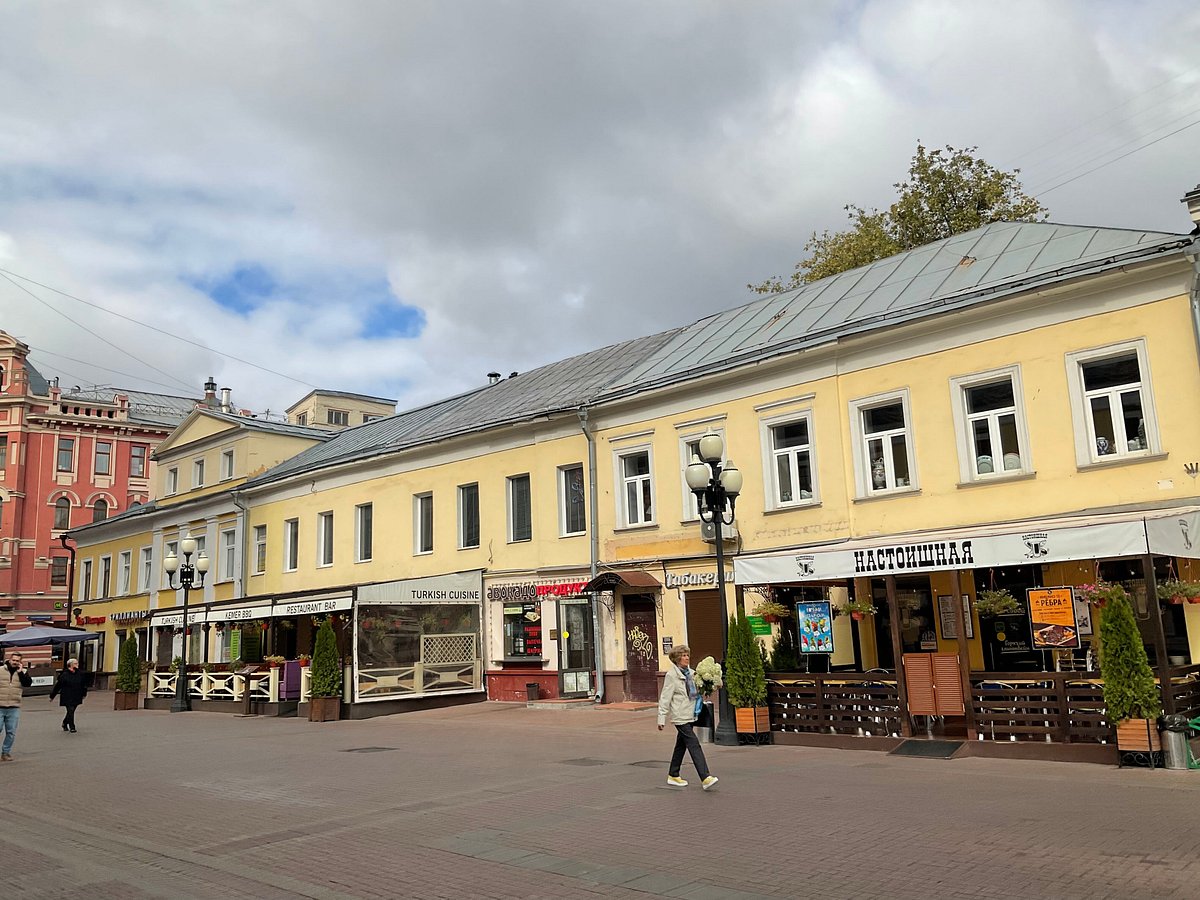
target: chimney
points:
(493, 377)
(225, 406)
(1192, 199)
(210, 392)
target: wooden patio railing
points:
(849, 703)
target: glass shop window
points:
(523, 630)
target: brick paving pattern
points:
(500, 801)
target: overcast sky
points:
(395, 198)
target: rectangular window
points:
(792, 471)
(58, 571)
(520, 509)
(882, 444)
(66, 454)
(302, 419)
(522, 629)
(636, 488)
(291, 544)
(3, 452)
(225, 567)
(172, 480)
(170, 548)
(124, 572)
(364, 525)
(137, 461)
(260, 549)
(990, 421)
(198, 473)
(85, 581)
(423, 523)
(103, 464)
(325, 539)
(572, 501)
(146, 564)
(337, 417)
(200, 545)
(226, 465)
(468, 516)
(105, 576)
(1113, 403)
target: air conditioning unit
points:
(708, 532)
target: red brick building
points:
(67, 457)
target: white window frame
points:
(107, 473)
(124, 572)
(337, 417)
(563, 499)
(1081, 413)
(260, 549)
(227, 565)
(419, 502)
(325, 539)
(85, 581)
(171, 481)
(364, 550)
(511, 508)
(170, 548)
(227, 465)
(620, 487)
(863, 484)
(462, 522)
(198, 473)
(58, 447)
(959, 385)
(141, 458)
(146, 569)
(291, 544)
(770, 469)
(104, 579)
(691, 513)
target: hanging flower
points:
(771, 611)
(1175, 591)
(996, 602)
(1099, 592)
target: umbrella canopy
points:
(44, 634)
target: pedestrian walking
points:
(681, 702)
(70, 688)
(13, 677)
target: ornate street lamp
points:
(716, 488)
(187, 580)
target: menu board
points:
(814, 620)
(1052, 618)
(948, 622)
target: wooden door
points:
(641, 647)
(704, 625)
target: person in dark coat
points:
(70, 689)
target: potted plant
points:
(995, 602)
(325, 705)
(745, 680)
(175, 664)
(1099, 593)
(1175, 591)
(129, 677)
(303, 659)
(1131, 697)
(274, 662)
(771, 611)
(855, 609)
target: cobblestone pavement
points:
(500, 801)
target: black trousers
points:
(69, 718)
(686, 739)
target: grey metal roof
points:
(977, 266)
(151, 409)
(38, 385)
(349, 395)
(268, 425)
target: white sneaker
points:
(676, 782)
(709, 783)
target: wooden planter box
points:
(752, 719)
(324, 709)
(1132, 735)
(126, 700)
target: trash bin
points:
(703, 728)
(1175, 741)
(531, 691)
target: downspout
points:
(243, 516)
(1192, 255)
(64, 537)
(594, 531)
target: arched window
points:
(100, 510)
(62, 514)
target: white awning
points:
(239, 613)
(1173, 532)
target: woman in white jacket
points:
(679, 700)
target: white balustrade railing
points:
(228, 686)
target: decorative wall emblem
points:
(1036, 544)
(806, 566)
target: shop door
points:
(576, 647)
(704, 616)
(641, 647)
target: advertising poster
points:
(814, 620)
(1052, 618)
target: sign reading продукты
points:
(1052, 619)
(814, 621)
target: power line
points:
(44, 351)
(246, 362)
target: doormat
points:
(928, 749)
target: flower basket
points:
(1176, 591)
(771, 611)
(1100, 593)
(855, 609)
(996, 602)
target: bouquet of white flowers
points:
(708, 675)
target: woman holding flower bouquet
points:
(681, 701)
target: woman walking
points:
(680, 701)
(70, 689)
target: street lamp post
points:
(716, 488)
(187, 580)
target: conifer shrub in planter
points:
(325, 704)
(745, 680)
(1131, 696)
(129, 676)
